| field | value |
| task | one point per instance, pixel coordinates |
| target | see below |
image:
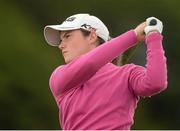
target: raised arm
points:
(83, 68)
(152, 79)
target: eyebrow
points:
(67, 32)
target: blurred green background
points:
(26, 61)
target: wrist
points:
(152, 32)
(153, 38)
(135, 32)
(135, 35)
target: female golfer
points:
(90, 91)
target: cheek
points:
(79, 47)
(82, 49)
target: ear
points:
(93, 37)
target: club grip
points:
(153, 22)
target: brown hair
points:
(86, 33)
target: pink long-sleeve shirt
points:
(93, 93)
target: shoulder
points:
(56, 71)
(58, 68)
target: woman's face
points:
(73, 44)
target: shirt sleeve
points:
(152, 79)
(84, 67)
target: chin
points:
(67, 60)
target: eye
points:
(60, 42)
(67, 36)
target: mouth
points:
(63, 52)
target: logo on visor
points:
(70, 19)
(86, 26)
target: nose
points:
(61, 45)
